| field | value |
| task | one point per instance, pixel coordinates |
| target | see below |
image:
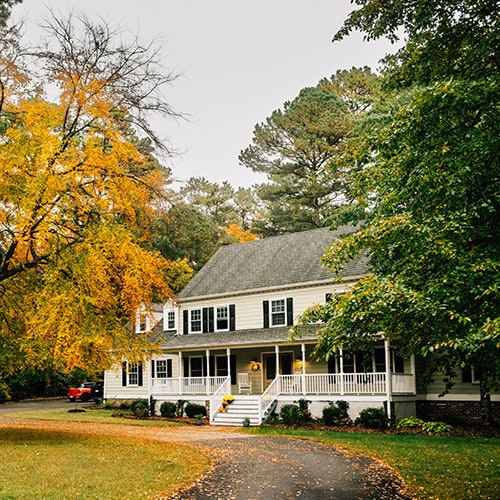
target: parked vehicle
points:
(86, 392)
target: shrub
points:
(336, 413)
(304, 414)
(193, 409)
(410, 423)
(168, 409)
(436, 427)
(289, 414)
(373, 418)
(140, 408)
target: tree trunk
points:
(485, 410)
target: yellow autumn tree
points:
(238, 235)
(77, 181)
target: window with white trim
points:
(163, 368)
(195, 321)
(221, 318)
(133, 374)
(170, 319)
(278, 312)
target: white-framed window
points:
(221, 318)
(195, 321)
(133, 374)
(469, 375)
(142, 322)
(278, 312)
(170, 319)
(163, 368)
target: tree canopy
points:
(295, 147)
(77, 181)
(427, 182)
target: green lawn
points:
(444, 467)
(98, 416)
(56, 465)
(434, 466)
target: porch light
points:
(254, 365)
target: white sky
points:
(238, 61)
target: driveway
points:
(248, 467)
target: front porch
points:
(257, 406)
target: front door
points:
(285, 366)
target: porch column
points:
(277, 355)
(341, 368)
(207, 378)
(179, 371)
(412, 367)
(388, 376)
(303, 377)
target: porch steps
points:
(240, 408)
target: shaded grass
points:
(98, 416)
(445, 467)
(60, 465)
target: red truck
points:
(86, 392)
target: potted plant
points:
(246, 422)
(199, 418)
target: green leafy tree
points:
(428, 184)
(5, 9)
(295, 146)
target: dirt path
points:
(248, 467)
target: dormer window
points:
(143, 322)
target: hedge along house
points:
(227, 332)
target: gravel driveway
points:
(248, 467)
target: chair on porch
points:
(243, 383)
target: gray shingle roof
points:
(242, 338)
(271, 262)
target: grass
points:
(58, 465)
(98, 416)
(439, 467)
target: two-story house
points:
(227, 333)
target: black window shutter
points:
(185, 327)
(211, 319)
(232, 317)
(152, 368)
(289, 311)
(186, 367)
(139, 370)
(266, 313)
(211, 364)
(124, 374)
(205, 319)
(169, 368)
(232, 368)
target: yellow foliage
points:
(239, 235)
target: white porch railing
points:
(268, 397)
(186, 385)
(218, 396)
(344, 384)
(313, 384)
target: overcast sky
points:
(238, 61)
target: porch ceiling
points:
(239, 338)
